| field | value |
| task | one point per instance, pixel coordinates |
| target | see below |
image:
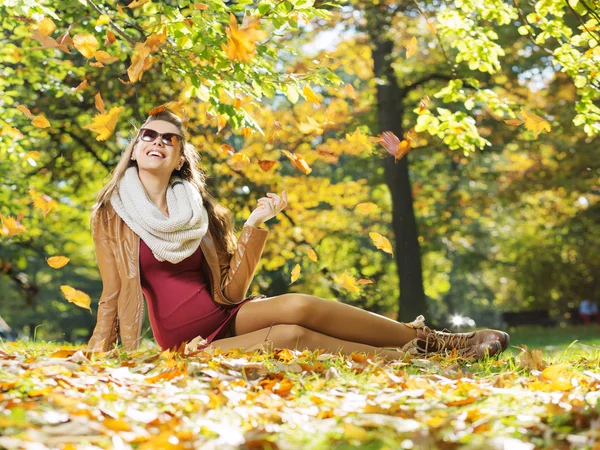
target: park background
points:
(483, 216)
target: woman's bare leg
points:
(329, 317)
(298, 337)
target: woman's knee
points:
(303, 308)
(289, 336)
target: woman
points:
(159, 233)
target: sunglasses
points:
(148, 135)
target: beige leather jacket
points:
(121, 305)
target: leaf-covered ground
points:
(59, 396)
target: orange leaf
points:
(136, 3)
(514, 122)
(238, 161)
(99, 102)
(266, 164)
(228, 149)
(25, 111)
(81, 86)
(46, 26)
(241, 42)
(110, 37)
(201, 6)
(312, 255)
(221, 122)
(298, 162)
(104, 57)
(364, 281)
(350, 92)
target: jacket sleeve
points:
(238, 270)
(105, 332)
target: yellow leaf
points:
(535, 123)
(241, 42)
(104, 57)
(247, 131)
(104, 124)
(201, 6)
(311, 127)
(559, 376)
(411, 47)
(33, 155)
(86, 44)
(350, 92)
(362, 142)
(77, 297)
(312, 255)
(355, 432)
(103, 19)
(431, 27)
(40, 122)
(43, 202)
(531, 360)
(116, 424)
(298, 162)
(57, 261)
(11, 226)
(347, 281)
(295, 273)
(141, 61)
(46, 26)
(221, 122)
(366, 208)
(310, 95)
(381, 242)
(238, 161)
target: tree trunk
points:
(407, 253)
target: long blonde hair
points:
(220, 224)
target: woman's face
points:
(155, 153)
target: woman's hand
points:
(267, 208)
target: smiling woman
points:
(160, 234)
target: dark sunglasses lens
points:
(169, 138)
(149, 135)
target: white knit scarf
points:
(172, 238)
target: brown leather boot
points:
(432, 341)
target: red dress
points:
(180, 304)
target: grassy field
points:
(545, 397)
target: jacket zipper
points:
(140, 296)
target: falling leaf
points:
(136, 3)
(381, 242)
(364, 281)
(424, 104)
(221, 122)
(86, 44)
(201, 6)
(238, 161)
(247, 131)
(141, 61)
(298, 162)
(104, 124)
(43, 202)
(40, 122)
(366, 208)
(347, 281)
(360, 142)
(156, 39)
(266, 164)
(99, 102)
(394, 146)
(295, 273)
(57, 262)
(104, 57)
(311, 127)
(241, 42)
(431, 27)
(25, 111)
(535, 123)
(514, 122)
(228, 149)
(46, 26)
(11, 226)
(350, 92)
(312, 255)
(559, 376)
(81, 86)
(77, 297)
(103, 19)
(310, 95)
(411, 47)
